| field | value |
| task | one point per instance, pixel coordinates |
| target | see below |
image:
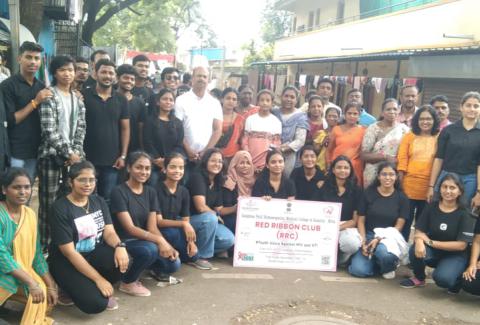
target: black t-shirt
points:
(442, 226)
(70, 223)
(173, 206)
(161, 138)
(455, 141)
(136, 107)
(262, 187)
(139, 206)
(199, 185)
(350, 199)
(102, 138)
(24, 136)
(305, 189)
(381, 211)
(230, 198)
(144, 93)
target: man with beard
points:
(170, 78)
(408, 98)
(440, 103)
(201, 115)
(126, 75)
(245, 107)
(81, 73)
(22, 95)
(108, 128)
(141, 63)
(94, 58)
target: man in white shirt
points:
(325, 89)
(201, 115)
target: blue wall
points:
(209, 53)
(46, 37)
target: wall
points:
(390, 32)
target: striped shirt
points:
(7, 263)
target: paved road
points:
(230, 295)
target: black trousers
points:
(472, 287)
(83, 291)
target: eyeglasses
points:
(85, 181)
(170, 78)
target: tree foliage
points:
(153, 25)
(275, 24)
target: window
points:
(310, 20)
(317, 17)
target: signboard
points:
(284, 234)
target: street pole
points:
(222, 69)
(14, 11)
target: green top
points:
(7, 263)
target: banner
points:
(284, 234)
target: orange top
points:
(233, 144)
(415, 158)
(347, 143)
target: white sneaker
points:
(389, 275)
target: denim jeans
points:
(212, 237)
(381, 261)
(29, 164)
(416, 208)
(145, 255)
(107, 179)
(469, 182)
(449, 266)
(176, 238)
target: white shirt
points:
(197, 115)
(269, 124)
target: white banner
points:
(284, 234)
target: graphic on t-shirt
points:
(443, 226)
(90, 229)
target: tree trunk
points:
(31, 15)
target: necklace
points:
(12, 215)
(85, 207)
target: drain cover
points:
(314, 320)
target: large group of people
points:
(135, 180)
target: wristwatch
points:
(430, 243)
(121, 244)
(123, 157)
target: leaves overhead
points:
(153, 25)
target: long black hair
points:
(9, 176)
(330, 184)
(220, 177)
(382, 166)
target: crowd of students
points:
(134, 180)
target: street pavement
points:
(228, 295)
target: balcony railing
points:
(366, 14)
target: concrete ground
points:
(229, 295)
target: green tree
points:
(154, 26)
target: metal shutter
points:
(454, 89)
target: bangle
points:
(34, 103)
(52, 289)
(431, 186)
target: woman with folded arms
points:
(205, 188)
(383, 206)
(23, 271)
(86, 256)
(134, 206)
(307, 178)
(173, 218)
(442, 234)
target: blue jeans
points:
(469, 182)
(145, 255)
(29, 164)
(212, 237)
(416, 208)
(176, 238)
(107, 179)
(449, 266)
(381, 262)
